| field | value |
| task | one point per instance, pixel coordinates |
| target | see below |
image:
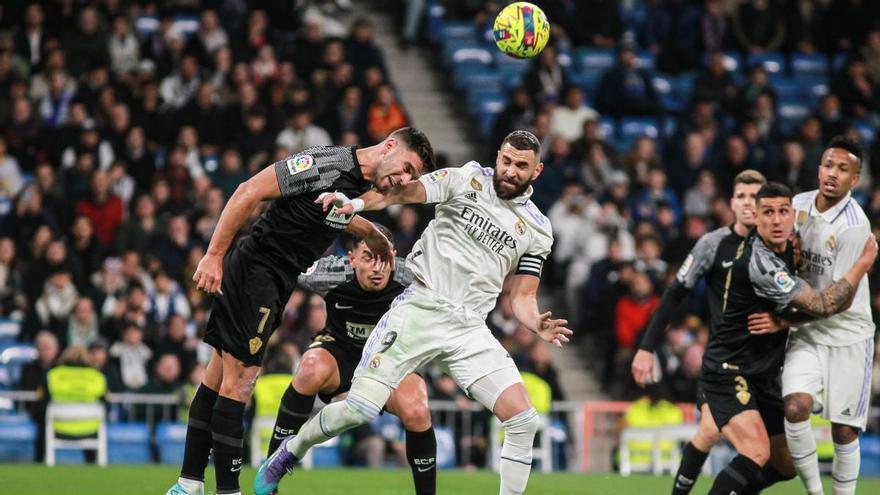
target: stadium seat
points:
(732, 61)
(594, 59)
(839, 60)
(588, 81)
(472, 54)
(475, 76)
(17, 436)
(786, 88)
(870, 448)
(669, 97)
(866, 132)
(12, 360)
(774, 63)
(128, 443)
(463, 50)
(791, 115)
(808, 64)
(171, 439)
(9, 330)
(608, 128)
(458, 31)
(565, 58)
(635, 127)
(645, 60)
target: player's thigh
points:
(473, 354)
(746, 432)
(238, 378)
(214, 371)
(847, 394)
(708, 433)
(410, 403)
(317, 373)
(407, 337)
(803, 370)
(502, 392)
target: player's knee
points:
(522, 427)
(707, 436)
(760, 454)
(798, 407)
(360, 409)
(237, 387)
(415, 416)
(309, 378)
(843, 434)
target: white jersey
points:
(476, 239)
(831, 242)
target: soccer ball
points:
(521, 30)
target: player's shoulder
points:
(717, 236)
(762, 261)
(330, 266)
(536, 218)
(802, 201)
(854, 217)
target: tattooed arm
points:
(838, 296)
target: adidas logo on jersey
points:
(846, 412)
(471, 196)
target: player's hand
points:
(869, 253)
(796, 248)
(209, 274)
(344, 206)
(766, 323)
(643, 367)
(553, 331)
(383, 250)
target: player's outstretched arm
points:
(524, 300)
(410, 193)
(241, 204)
(837, 296)
(381, 247)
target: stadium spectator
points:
(518, 114)
(103, 208)
(631, 315)
(132, 355)
(164, 380)
(715, 83)
(360, 49)
(758, 26)
(559, 165)
(545, 80)
(598, 23)
(83, 326)
(34, 378)
(301, 133)
(859, 96)
(10, 174)
(100, 360)
(406, 234)
(348, 115)
(626, 89)
(385, 114)
(123, 48)
(56, 303)
(568, 120)
(714, 26)
(87, 46)
(805, 29)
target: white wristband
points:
(357, 204)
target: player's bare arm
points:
(241, 204)
(382, 249)
(372, 200)
(524, 300)
(837, 296)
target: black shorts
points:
(246, 315)
(347, 356)
(729, 395)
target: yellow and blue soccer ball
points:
(521, 30)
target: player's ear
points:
(538, 170)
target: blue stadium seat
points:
(17, 436)
(458, 31)
(786, 88)
(594, 59)
(9, 330)
(480, 100)
(839, 60)
(511, 70)
(791, 115)
(870, 449)
(445, 447)
(476, 76)
(645, 60)
(565, 58)
(866, 132)
(808, 64)
(128, 443)
(471, 54)
(635, 127)
(814, 93)
(732, 61)
(434, 14)
(774, 63)
(327, 454)
(667, 91)
(461, 49)
(171, 439)
(586, 81)
(608, 127)
(12, 360)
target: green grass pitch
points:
(153, 480)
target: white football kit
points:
(460, 262)
(831, 359)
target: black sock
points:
(293, 412)
(421, 451)
(735, 479)
(198, 434)
(769, 476)
(692, 460)
(227, 433)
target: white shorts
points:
(838, 378)
(419, 328)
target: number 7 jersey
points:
(476, 238)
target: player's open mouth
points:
(829, 185)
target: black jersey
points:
(294, 231)
(759, 280)
(710, 257)
(352, 312)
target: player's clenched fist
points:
(553, 331)
(209, 274)
(643, 367)
(344, 206)
(869, 253)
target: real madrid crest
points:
(476, 184)
(376, 362)
(831, 243)
(520, 227)
(801, 218)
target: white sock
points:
(516, 453)
(364, 402)
(192, 486)
(845, 468)
(802, 445)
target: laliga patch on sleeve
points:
(437, 176)
(685, 268)
(784, 281)
(299, 163)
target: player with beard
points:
(828, 363)
(739, 380)
(254, 279)
(710, 258)
(357, 293)
(485, 229)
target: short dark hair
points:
(773, 190)
(383, 229)
(523, 140)
(418, 142)
(749, 176)
(849, 145)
